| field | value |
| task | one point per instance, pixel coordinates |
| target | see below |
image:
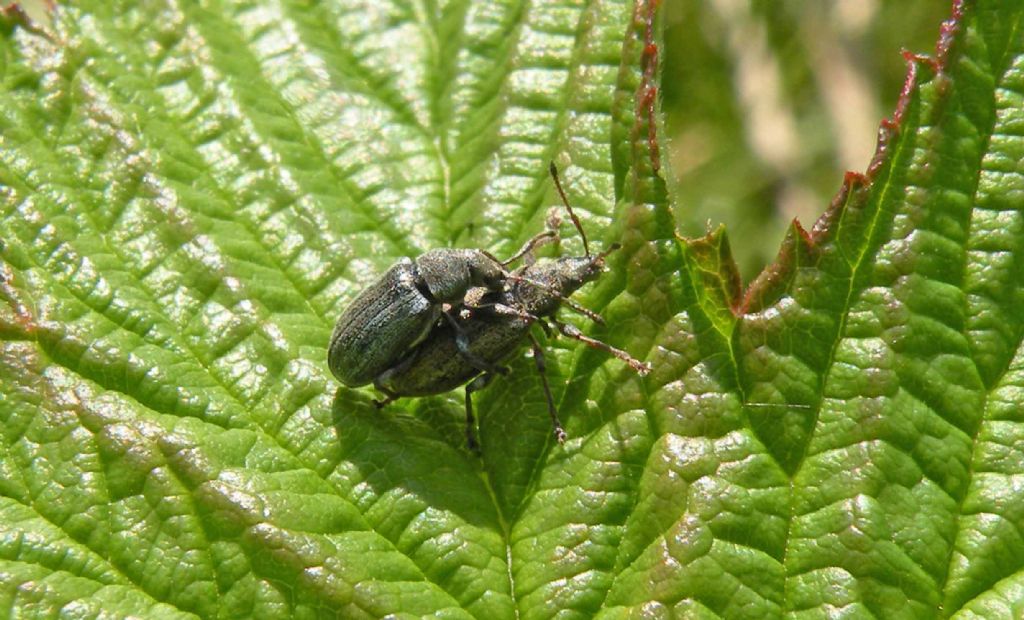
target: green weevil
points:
(496, 327)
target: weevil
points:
(396, 312)
(497, 327)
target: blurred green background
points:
(768, 102)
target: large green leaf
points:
(191, 192)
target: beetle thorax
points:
(448, 273)
(545, 283)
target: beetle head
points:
(541, 287)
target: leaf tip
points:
(935, 65)
(798, 247)
(713, 255)
(35, 19)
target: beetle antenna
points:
(613, 247)
(575, 220)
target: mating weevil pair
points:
(451, 317)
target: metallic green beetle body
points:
(495, 332)
(392, 333)
(435, 366)
(397, 311)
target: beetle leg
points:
(500, 309)
(507, 310)
(474, 301)
(476, 384)
(379, 383)
(530, 246)
(462, 344)
(573, 332)
(538, 358)
(389, 396)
